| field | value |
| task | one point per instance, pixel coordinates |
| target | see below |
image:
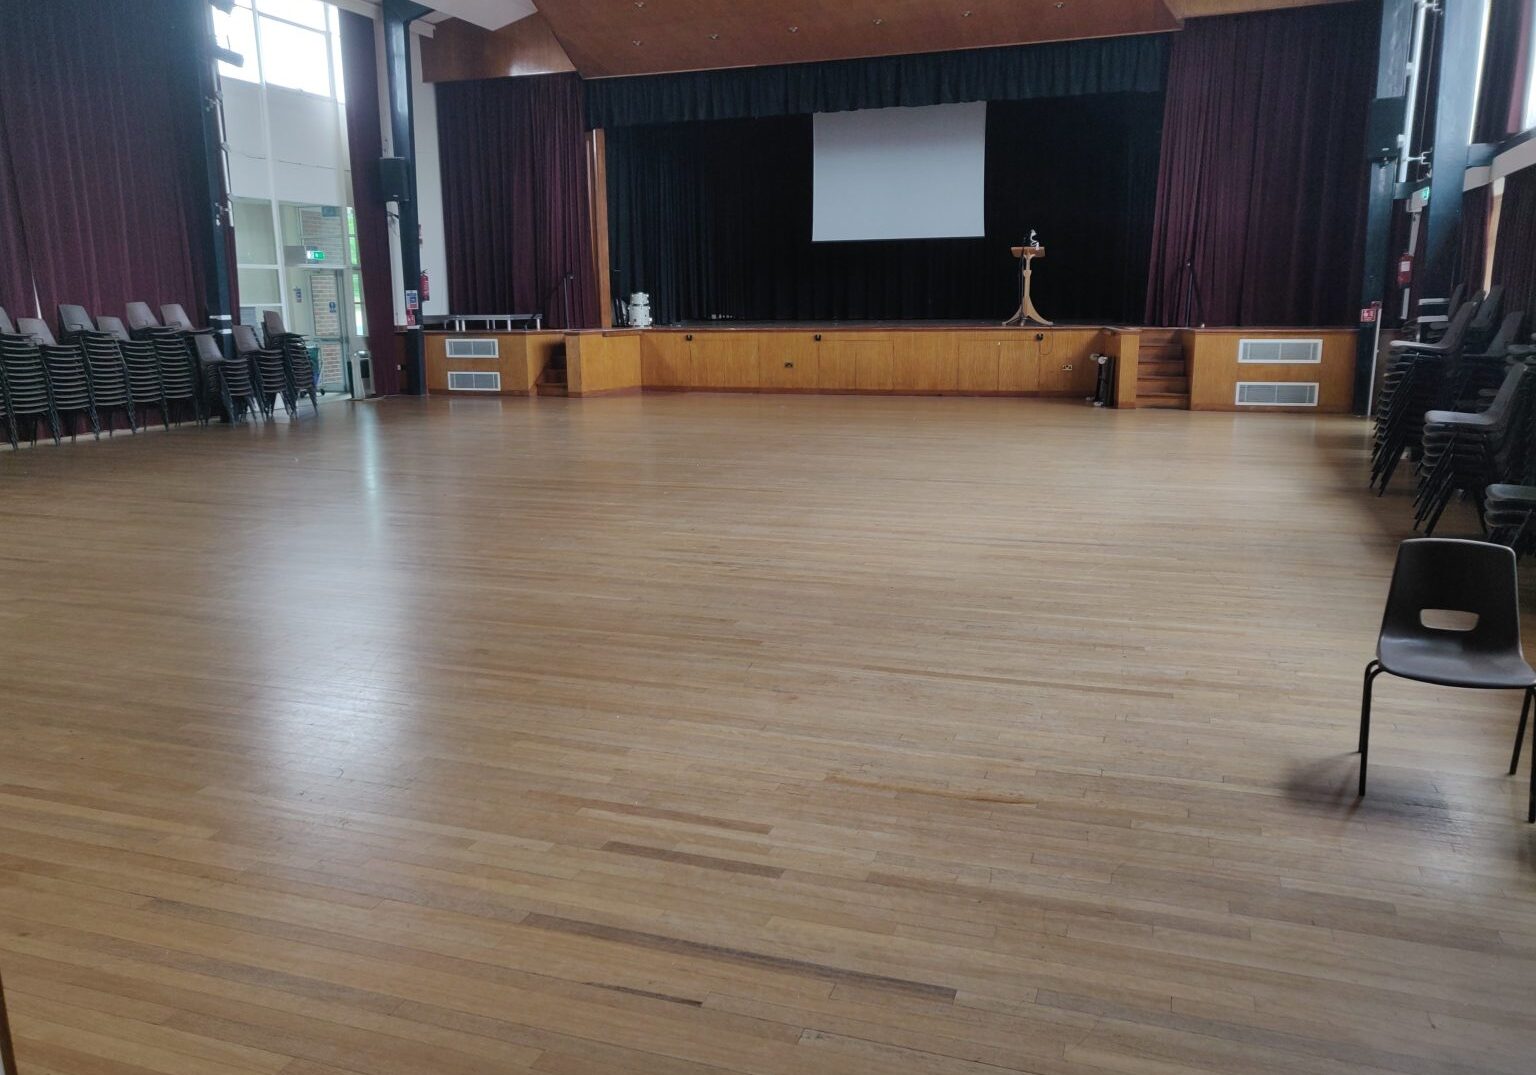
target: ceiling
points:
(629, 37)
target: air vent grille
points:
(1277, 393)
(473, 381)
(469, 348)
(1281, 352)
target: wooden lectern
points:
(1026, 311)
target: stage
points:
(1194, 369)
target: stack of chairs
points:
(24, 390)
(1485, 323)
(1415, 382)
(220, 382)
(1477, 375)
(155, 378)
(269, 366)
(104, 368)
(69, 386)
(1466, 451)
(295, 351)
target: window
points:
(294, 57)
(236, 31)
(309, 13)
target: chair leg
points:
(1525, 714)
(1372, 670)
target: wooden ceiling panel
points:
(627, 37)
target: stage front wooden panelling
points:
(905, 361)
(897, 360)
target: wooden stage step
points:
(1156, 386)
(1177, 401)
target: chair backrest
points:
(73, 319)
(1504, 398)
(140, 316)
(174, 316)
(1489, 310)
(1509, 332)
(1456, 576)
(36, 328)
(207, 349)
(272, 324)
(1457, 329)
(1458, 293)
(6, 327)
(245, 340)
(113, 326)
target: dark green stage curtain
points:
(1019, 73)
(713, 219)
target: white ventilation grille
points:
(1277, 393)
(466, 348)
(473, 381)
(1280, 352)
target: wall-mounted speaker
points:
(1383, 128)
(394, 179)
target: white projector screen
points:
(900, 173)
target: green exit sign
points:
(314, 255)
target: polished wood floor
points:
(738, 734)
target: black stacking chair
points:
(1485, 322)
(141, 367)
(6, 327)
(1467, 451)
(301, 372)
(180, 380)
(141, 319)
(7, 1048)
(270, 369)
(104, 368)
(24, 387)
(1415, 382)
(1439, 575)
(68, 383)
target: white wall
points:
(429, 187)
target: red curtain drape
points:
(1475, 205)
(365, 145)
(15, 266)
(1262, 177)
(101, 119)
(1513, 265)
(515, 200)
(1499, 105)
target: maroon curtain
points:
(1499, 104)
(515, 200)
(365, 145)
(1262, 180)
(1513, 265)
(15, 266)
(1475, 205)
(101, 114)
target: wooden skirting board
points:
(897, 360)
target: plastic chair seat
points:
(1445, 660)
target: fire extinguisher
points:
(426, 287)
(1405, 270)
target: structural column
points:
(397, 18)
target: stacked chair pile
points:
(97, 368)
(1415, 383)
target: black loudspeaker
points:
(394, 179)
(1383, 127)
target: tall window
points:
(291, 43)
(285, 128)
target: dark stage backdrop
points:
(1262, 176)
(714, 219)
(515, 197)
(1475, 205)
(1498, 110)
(101, 121)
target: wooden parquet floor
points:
(739, 734)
